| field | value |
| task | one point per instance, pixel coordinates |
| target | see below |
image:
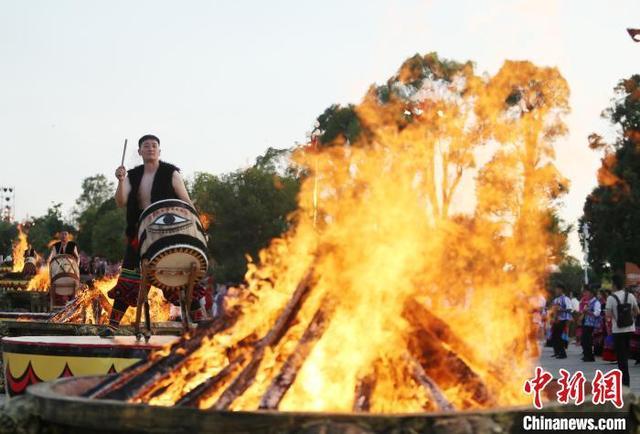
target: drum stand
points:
(143, 297)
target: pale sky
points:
(220, 81)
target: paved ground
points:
(573, 364)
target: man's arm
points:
(124, 187)
(178, 186)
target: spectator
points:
(591, 313)
(620, 330)
(562, 309)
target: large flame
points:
(18, 250)
(399, 231)
(40, 282)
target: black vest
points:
(161, 189)
(68, 250)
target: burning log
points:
(432, 388)
(146, 379)
(364, 391)
(88, 298)
(142, 376)
(287, 375)
(437, 360)
(242, 382)
(192, 398)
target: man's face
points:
(558, 291)
(64, 236)
(149, 150)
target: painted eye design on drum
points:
(169, 219)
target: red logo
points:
(537, 384)
(607, 387)
(604, 387)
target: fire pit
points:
(399, 299)
(59, 405)
(384, 296)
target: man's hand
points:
(121, 173)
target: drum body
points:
(171, 238)
(65, 274)
(29, 268)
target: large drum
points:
(65, 275)
(29, 268)
(172, 238)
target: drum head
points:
(65, 286)
(172, 267)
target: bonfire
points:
(404, 282)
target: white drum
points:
(65, 274)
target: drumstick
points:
(124, 152)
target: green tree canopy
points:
(96, 191)
(107, 232)
(612, 210)
(247, 209)
(45, 228)
(8, 232)
(570, 273)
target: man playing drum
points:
(64, 247)
(138, 188)
(30, 259)
(62, 253)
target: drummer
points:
(150, 182)
(30, 252)
(29, 268)
(64, 247)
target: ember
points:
(406, 292)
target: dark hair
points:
(562, 287)
(617, 281)
(147, 137)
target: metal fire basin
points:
(60, 409)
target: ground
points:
(573, 364)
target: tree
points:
(612, 210)
(8, 232)
(246, 209)
(96, 191)
(107, 233)
(338, 125)
(43, 229)
(570, 273)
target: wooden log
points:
(195, 395)
(137, 379)
(242, 382)
(76, 310)
(290, 311)
(425, 319)
(427, 382)
(364, 393)
(438, 361)
(287, 375)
